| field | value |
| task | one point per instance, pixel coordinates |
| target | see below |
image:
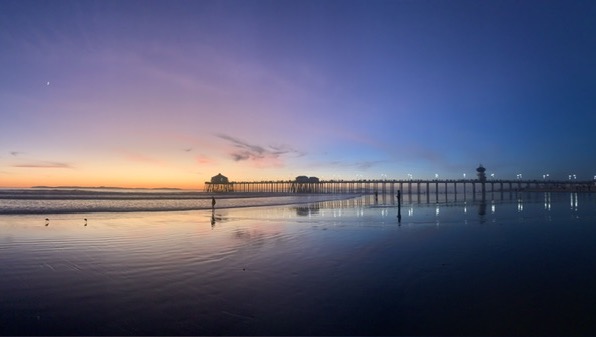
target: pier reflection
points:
(482, 208)
(494, 208)
(573, 199)
(490, 205)
(307, 210)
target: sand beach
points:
(343, 267)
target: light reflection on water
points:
(337, 267)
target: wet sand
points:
(329, 269)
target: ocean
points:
(67, 200)
(164, 263)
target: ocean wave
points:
(74, 201)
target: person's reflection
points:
(217, 218)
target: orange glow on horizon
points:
(134, 178)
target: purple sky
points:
(170, 93)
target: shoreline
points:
(36, 205)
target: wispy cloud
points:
(359, 165)
(365, 165)
(269, 155)
(15, 153)
(204, 160)
(43, 164)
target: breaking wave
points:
(63, 201)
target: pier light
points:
(492, 175)
(544, 176)
(519, 176)
(410, 176)
(436, 176)
(465, 176)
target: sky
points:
(171, 93)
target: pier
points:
(410, 186)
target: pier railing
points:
(410, 186)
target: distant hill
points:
(109, 188)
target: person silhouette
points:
(212, 202)
(399, 206)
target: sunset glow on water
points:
(338, 267)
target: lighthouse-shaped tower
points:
(482, 178)
(481, 175)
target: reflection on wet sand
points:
(485, 208)
(307, 210)
(307, 269)
(216, 218)
(482, 210)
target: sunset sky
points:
(170, 93)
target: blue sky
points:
(170, 93)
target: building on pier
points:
(304, 184)
(219, 183)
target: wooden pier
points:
(419, 187)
